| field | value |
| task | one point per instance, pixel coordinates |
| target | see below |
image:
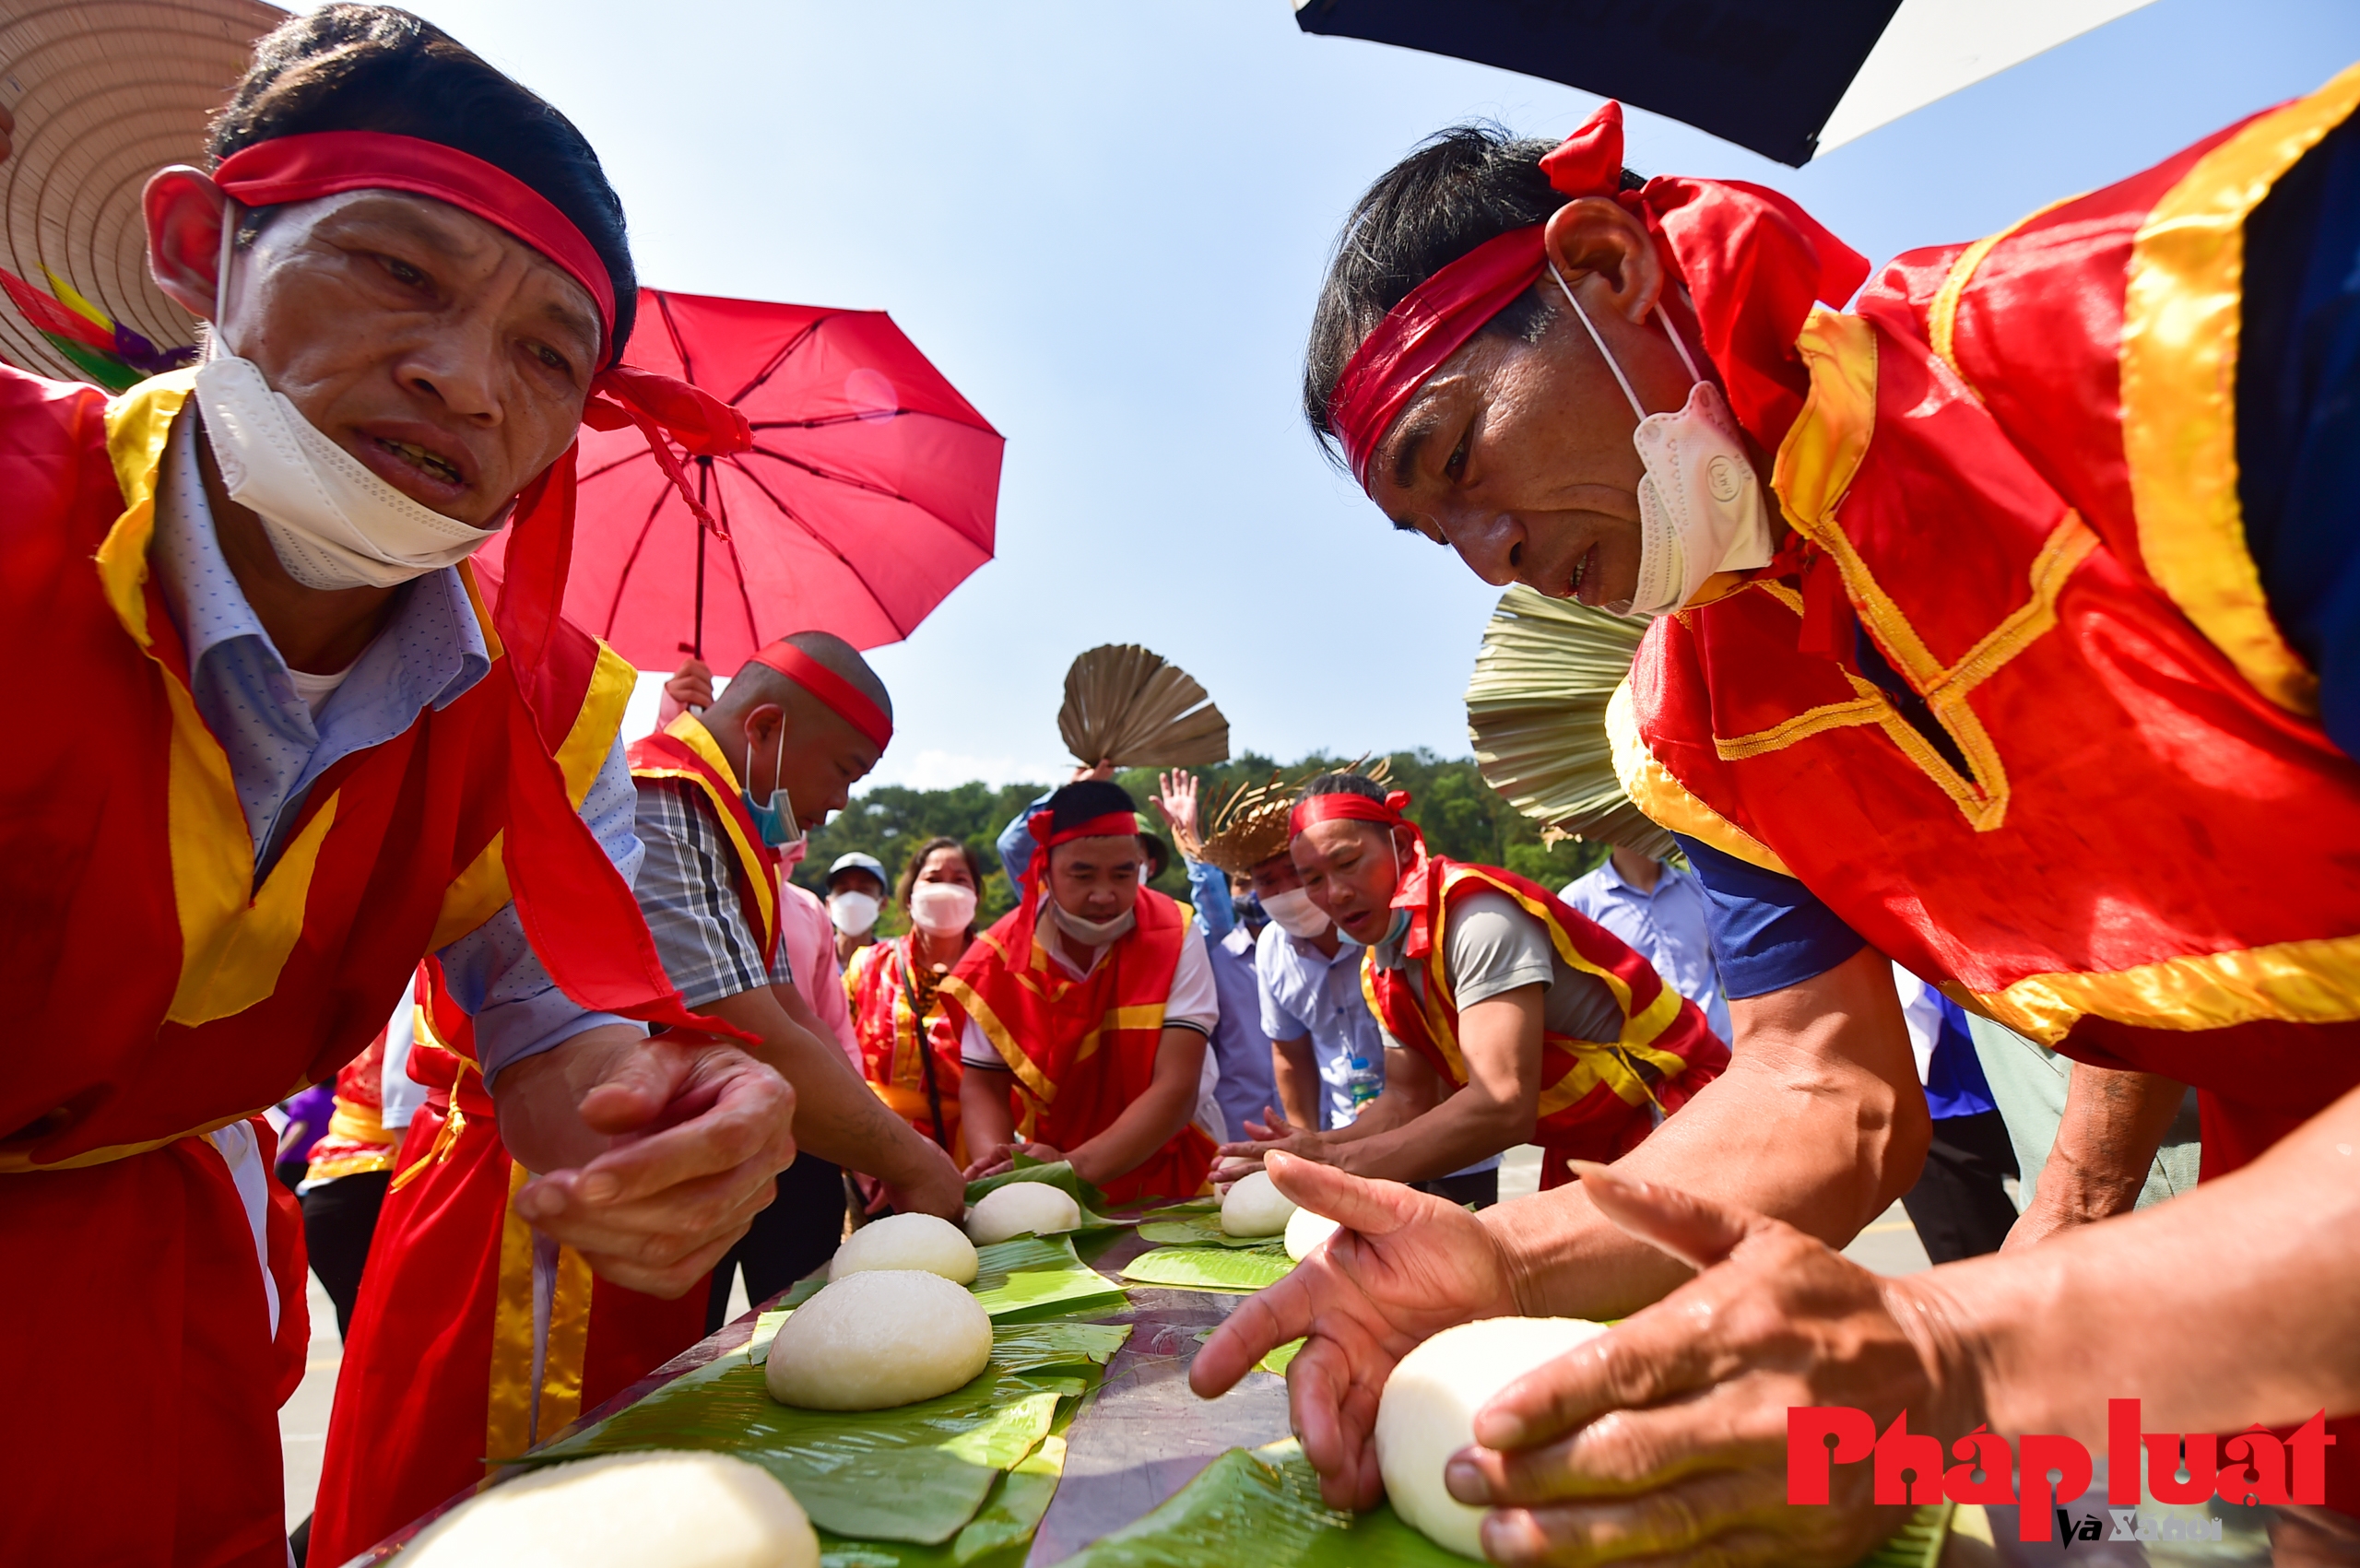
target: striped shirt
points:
(688, 891)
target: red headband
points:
(1345, 807)
(1438, 316)
(840, 696)
(1114, 824)
(324, 163)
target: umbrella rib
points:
(789, 347)
(832, 477)
(679, 344)
(821, 540)
(622, 578)
(610, 467)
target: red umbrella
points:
(868, 495)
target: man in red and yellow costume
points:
(1508, 1017)
(2002, 625)
(450, 1364)
(1088, 1006)
(315, 754)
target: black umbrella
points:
(1765, 74)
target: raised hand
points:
(1176, 799)
(1406, 1265)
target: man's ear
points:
(1598, 235)
(184, 210)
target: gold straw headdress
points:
(1536, 710)
(1251, 825)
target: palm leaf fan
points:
(1536, 710)
(1127, 704)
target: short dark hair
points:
(907, 881)
(1346, 783)
(1078, 801)
(350, 67)
(1461, 188)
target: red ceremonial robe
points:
(356, 1141)
(2016, 468)
(913, 1069)
(1083, 1050)
(160, 994)
(438, 1380)
(1595, 1097)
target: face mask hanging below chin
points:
(775, 821)
(1092, 933)
(1700, 502)
(332, 523)
(1295, 913)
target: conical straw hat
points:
(1536, 710)
(105, 92)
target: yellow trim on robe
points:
(1941, 311)
(508, 1412)
(1666, 800)
(481, 891)
(2313, 980)
(2182, 309)
(1816, 464)
(690, 731)
(568, 1347)
(234, 938)
(1037, 1086)
(17, 1162)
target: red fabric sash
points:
(1083, 1050)
(878, 987)
(1600, 1124)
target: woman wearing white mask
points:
(908, 1030)
(1931, 578)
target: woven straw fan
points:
(1536, 710)
(1125, 703)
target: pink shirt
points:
(810, 938)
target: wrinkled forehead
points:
(461, 250)
(1338, 836)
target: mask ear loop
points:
(1695, 376)
(217, 342)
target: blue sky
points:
(1106, 223)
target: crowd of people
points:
(1963, 911)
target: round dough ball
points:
(1254, 1207)
(1019, 1207)
(920, 1242)
(676, 1508)
(1427, 1413)
(1307, 1231)
(873, 1340)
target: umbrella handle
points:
(704, 478)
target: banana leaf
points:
(917, 1473)
(1198, 1229)
(1030, 1277)
(1210, 1269)
(997, 1537)
(1263, 1507)
(1058, 1174)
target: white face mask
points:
(332, 523)
(1091, 933)
(853, 913)
(1700, 503)
(1295, 913)
(942, 909)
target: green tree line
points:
(1461, 815)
